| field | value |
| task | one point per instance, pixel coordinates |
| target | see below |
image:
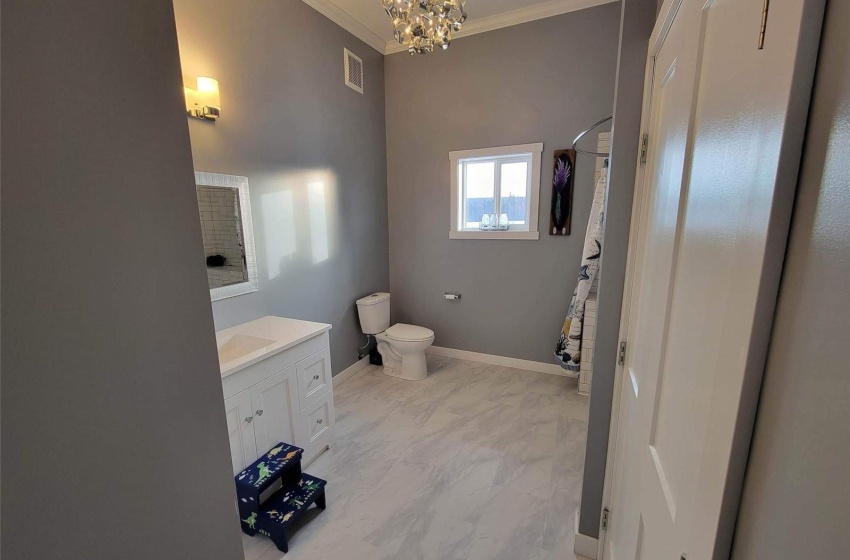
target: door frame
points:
(659, 32)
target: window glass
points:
(480, 191)
(514, 191)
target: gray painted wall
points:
(289, 121)
(115, 442)
(542, 81)
(637, 20)
(796, 497)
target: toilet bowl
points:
(402, 347)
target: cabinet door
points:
(275, 402)
(240, 425)
(314, 376)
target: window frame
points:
(531, 153)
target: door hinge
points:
(605, 516)
(763, 27)
(621, 355)
(644, 147)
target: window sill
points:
(520, 235)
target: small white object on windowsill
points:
(493, 222)
(484, 225)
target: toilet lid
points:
(408, 333)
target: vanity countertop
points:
(249, 343)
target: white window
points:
(495, 192)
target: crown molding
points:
(507, 19)
(344, 20)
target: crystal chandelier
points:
(421, 25)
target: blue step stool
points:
(287, 505)
(273, 515)
(282, 463)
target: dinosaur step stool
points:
(286, 506)
(271, 515)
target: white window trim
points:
(536, 151)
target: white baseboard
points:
(552, 369)
(350, 371)
(585, 546)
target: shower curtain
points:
(568, 351)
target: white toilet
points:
(402, 347)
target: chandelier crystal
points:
(422, 25)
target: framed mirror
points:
(225, 207)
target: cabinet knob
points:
(319, 421)
(259, 412)
(316, 377)
(249, 419)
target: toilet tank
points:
(374, 312)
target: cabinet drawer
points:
(314, 377)
(318, 426)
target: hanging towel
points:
(568, 351)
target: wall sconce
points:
(204, 102)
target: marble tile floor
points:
(477, 462)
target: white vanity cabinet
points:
(281, 392)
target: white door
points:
(725, 120)
(240, 425)
(276, 414)
(672, 86)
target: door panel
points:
(275, 402)
(240, 425)
(725, 119)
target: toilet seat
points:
(402, 332)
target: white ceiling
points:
(367, 20)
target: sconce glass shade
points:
(193, 100)
(208, 91)
(205, 102)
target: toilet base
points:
(413, 367)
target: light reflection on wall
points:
(278, 211)
(299, 219)
(318, 221)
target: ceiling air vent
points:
(353, 71)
